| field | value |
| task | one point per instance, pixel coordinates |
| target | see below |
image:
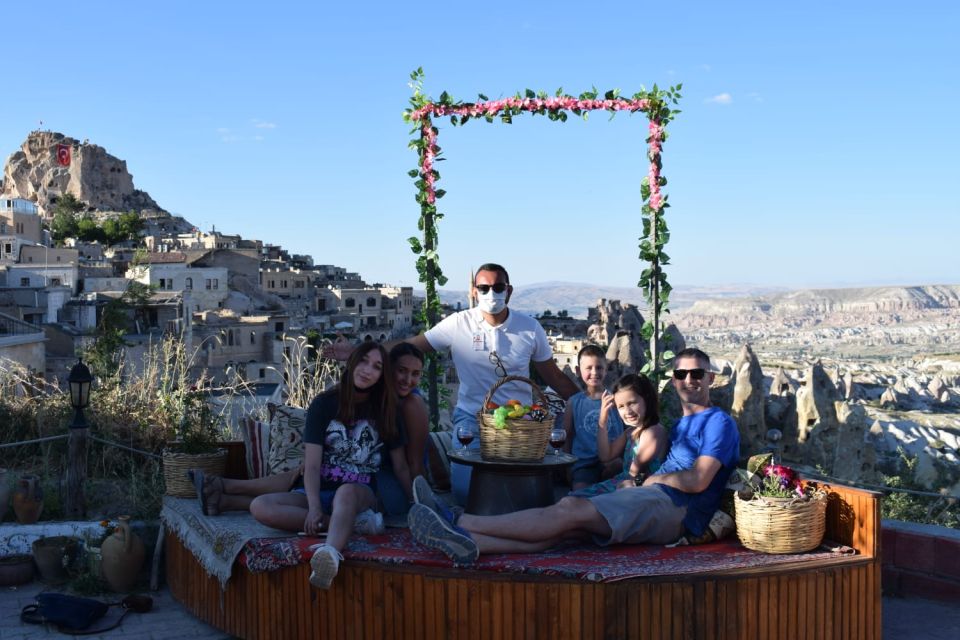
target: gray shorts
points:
(640, 514)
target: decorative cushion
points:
(256, 440)
(286, 439)
(438, 464)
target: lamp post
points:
(79, 380)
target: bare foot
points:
(212, 491)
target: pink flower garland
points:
(655, 141)
(557, 103)
(492, 108)
(429, 137)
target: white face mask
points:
(492, 302)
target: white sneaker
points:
(369, 523)
(324, 566)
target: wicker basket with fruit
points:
(516, 431)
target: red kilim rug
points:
(582, 561)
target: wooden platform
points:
(818, 600)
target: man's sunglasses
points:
(499, 287)
(696, 374)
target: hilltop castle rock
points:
(94, 176)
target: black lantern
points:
(80, 380)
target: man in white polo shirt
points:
(487, 343)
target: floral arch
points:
(655, 104)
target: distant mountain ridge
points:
(577, 297)
(805, 302)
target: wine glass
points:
(465, 435)
(557, 438)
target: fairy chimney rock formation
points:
(624, 355)
(748, 400)
(610, 318)
(855, 456)
(889, 398)
(781, 384)
(618, 326)
(817, 425)
(937, 388)
(92, 175)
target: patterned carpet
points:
(581, 561)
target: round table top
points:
(472, 457)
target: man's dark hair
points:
(591, 350)
(693, 352)
(492, 266)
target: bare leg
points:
(274, 483)
(227, 494)
(537, 525)
(348, 501)
(495, 544)
(280, 510)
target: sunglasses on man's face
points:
(499, 287)
(696, 374)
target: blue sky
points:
(817, 145)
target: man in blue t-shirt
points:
(681, 496)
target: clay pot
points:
(53, 555)
(122, 556)
(5, 490)
(28, 499)
(16, 569)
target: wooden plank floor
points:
(816, 600)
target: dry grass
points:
(143, 408)
(305, 375)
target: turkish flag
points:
(63, 155)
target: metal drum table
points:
(503, 486)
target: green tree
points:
(64, 224)
(104, 355)
(131, 224)
(89, 231)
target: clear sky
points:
(817, 146)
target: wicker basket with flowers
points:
(778, 513)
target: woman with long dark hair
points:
(349, 430)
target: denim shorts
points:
(326, 498)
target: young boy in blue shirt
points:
(582, 416)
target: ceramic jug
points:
(5, 490)
(121, 557)
(28, 499)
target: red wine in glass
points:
(465, 438)
(557, 438)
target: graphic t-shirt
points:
(351, 453)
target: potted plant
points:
(196, 443)
(93, 543)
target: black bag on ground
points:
(74, 615)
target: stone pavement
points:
(167, 621)
(903, 619)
